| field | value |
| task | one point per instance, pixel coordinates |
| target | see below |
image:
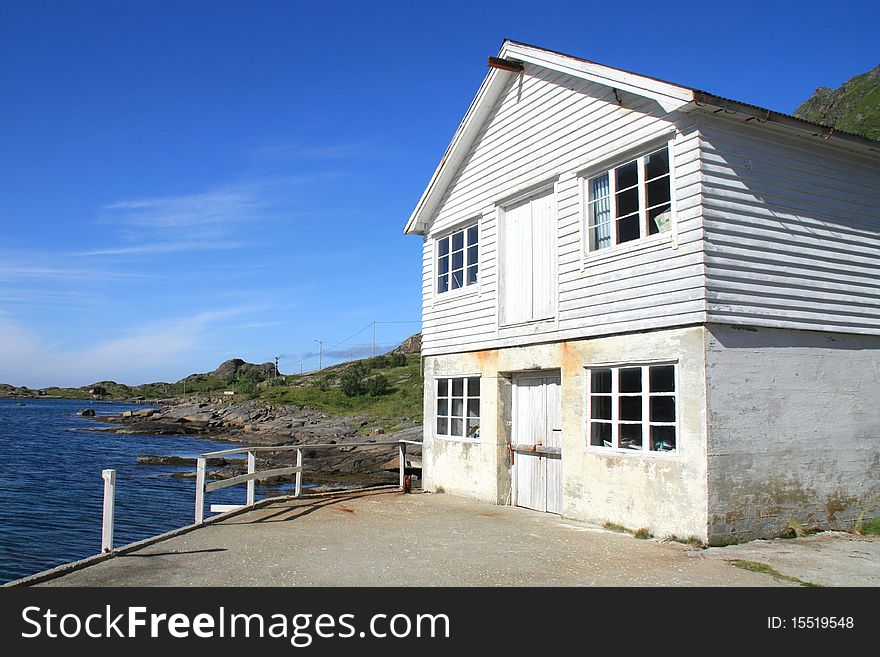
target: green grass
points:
(321, 391)
(641, 533)
(693, 541)
(870, 527)
(758, 567)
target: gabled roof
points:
(671, 97)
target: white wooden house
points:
(648, 305)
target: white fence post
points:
(299, 474)
(402, 456)
(200, 489)
(251, 485)
(109, 477)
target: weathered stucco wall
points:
(794, 430)
(663, 493)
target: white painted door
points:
(537, 442)
(529, 260)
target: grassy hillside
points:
(384, 388)
(401, 401)
(853, 107)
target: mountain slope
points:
(853, 107)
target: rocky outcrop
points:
(412, 345)
(852, 107)
(256, 422)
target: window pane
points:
(628, 229)
(443, 265)
(473, 408)
(443, 246)
(472, 255)
(659, 219)
(600, 209)
(442, 426)
(662, 409)
(456, 428)
(658, 191)
(473, 428)
(457, 279)
(600, 381)
(626, 176)
(474, 386)
(472, 235)
(457, 260)
(600, 237)
(600, 434)
(600, 408)
(630, 408)
(442, 387)
(443, 283)
(662, 439)
(457, 407)
(457, 387)
(657, 164)
(442, 407)
(662, 378)
(630, 379)
(458, 240)
(630, 435)
(627, 201)
(472, 275)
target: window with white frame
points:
(458, 407)
(458, 259)
(633, 407)
(630, 201)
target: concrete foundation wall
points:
(663, 493)
(794, 430)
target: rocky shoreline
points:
(259, 423)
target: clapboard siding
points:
(546, 128)
(792, 230)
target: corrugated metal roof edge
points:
(710, 98)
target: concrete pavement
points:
(385, 538)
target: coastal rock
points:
(86, 412)
(152, 459)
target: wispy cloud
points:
(147, 353)
(13, 270)
(160, 248)
(215, 220)
(290, 152)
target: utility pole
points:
(320, 354)
(373, 351)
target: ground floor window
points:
(633, 407)
(458, 407)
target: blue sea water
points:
(51, 491)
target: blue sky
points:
(187, 182)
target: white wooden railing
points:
(253, 475)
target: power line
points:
(323, 350)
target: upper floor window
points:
(630, 201)
(458, 259)
(633, 407)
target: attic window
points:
(630, 201)
(458, 259)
